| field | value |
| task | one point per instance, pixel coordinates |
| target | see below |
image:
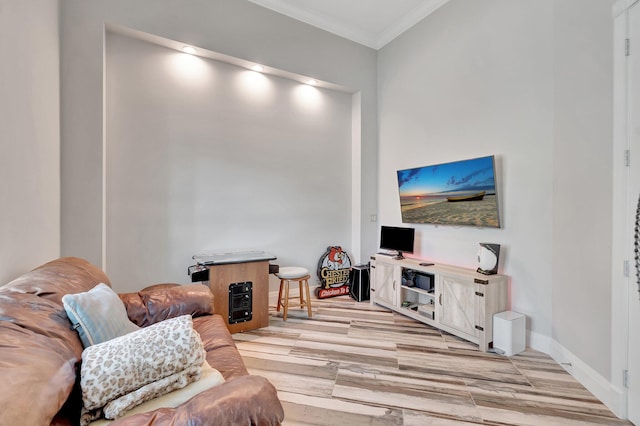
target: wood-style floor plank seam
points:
(353, 363)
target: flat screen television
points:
(397, 239)
(457, 193)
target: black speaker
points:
(359, 282)
(240, 302)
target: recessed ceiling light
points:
(311, 82)
(188, 49)
(258, 68)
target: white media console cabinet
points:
(461, 301)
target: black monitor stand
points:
(399, 256)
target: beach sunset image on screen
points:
(457, 193)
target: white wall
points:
(30, 136)
(476, 79)
(232, 27)
(530, 82)
(582, 213)
(207, 157)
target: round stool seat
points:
(292, 272)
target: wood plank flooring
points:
(357, 364)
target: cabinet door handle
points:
(394, 284)
(440, 299)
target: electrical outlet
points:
(374, 218)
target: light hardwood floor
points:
(357, 364)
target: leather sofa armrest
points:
(158, 303)
(245, 400)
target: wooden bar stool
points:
(293, 273)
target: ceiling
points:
(372, 23)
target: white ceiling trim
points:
(319, 21)
(372, 39)
(409, 20)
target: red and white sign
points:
(333, 271)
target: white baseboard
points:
(610, 395)
(539, 342)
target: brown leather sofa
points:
(40, 353)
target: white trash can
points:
(509, 330)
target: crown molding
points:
(320, 21)
(374, 40)
(409, 20)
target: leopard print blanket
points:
(121, 373)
